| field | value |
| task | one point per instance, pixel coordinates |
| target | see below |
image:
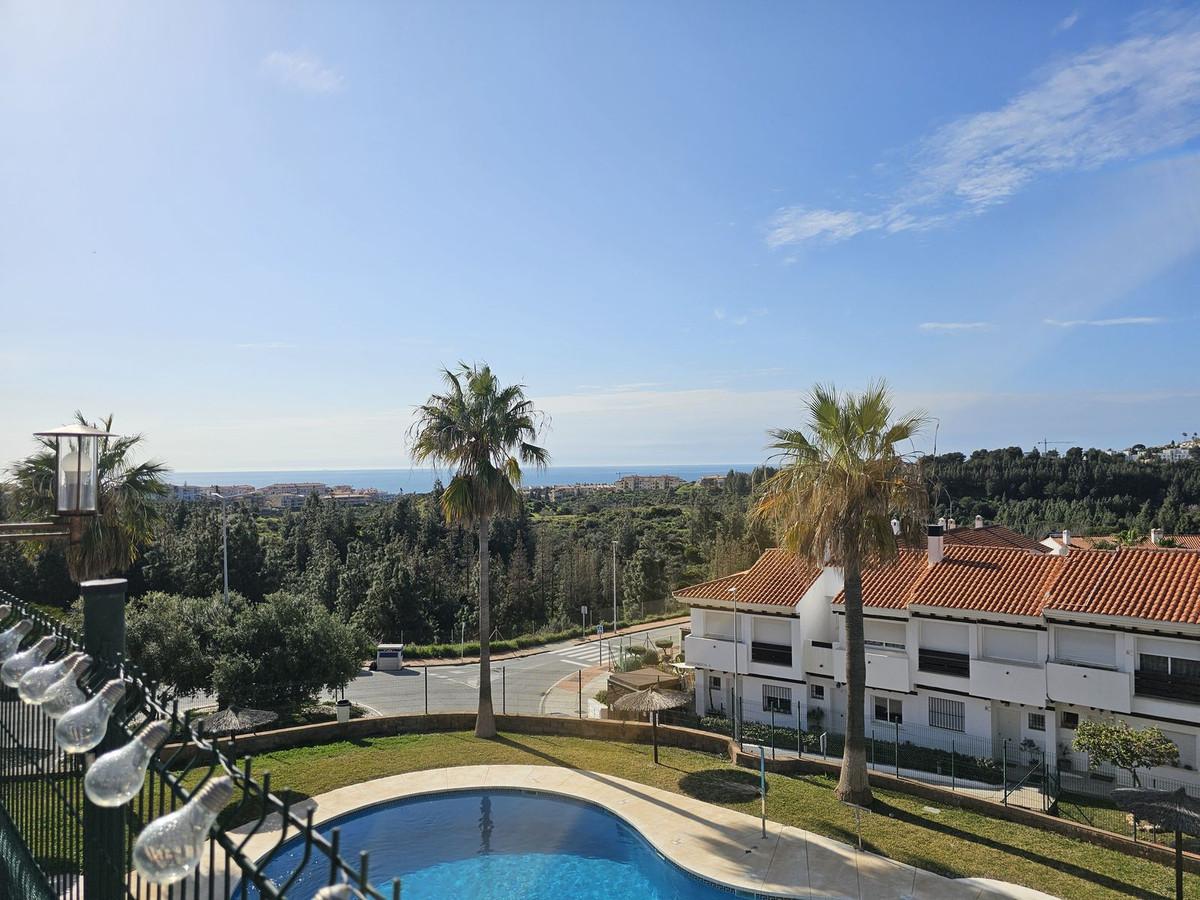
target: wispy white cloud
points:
(954, 326)
(266, 345)
(1114, 103)
(1067, 23)
(723, 315)
(1106, 323)
(302, 71)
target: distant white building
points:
(648, 482)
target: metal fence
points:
(54, 842)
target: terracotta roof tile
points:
(889, 586)
(1000, 580)
(991, 536)
(776, 579)
(1158, 584)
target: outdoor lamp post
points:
(76, 485)
(77, 476)
(737, 724)
(224, 541)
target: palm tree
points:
(843, 478)
(127, 511)
(485, 432)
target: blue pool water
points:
(498, 845)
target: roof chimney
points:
(1066, 543)
(979, 521)
(896, 527)
(1156, 536)
(951, 524)
(935, 544)
(942, 523)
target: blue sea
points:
(419, 480)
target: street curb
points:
(534, 651)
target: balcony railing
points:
(1166, 687)
(940, 662)
(772, 654)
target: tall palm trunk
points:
(853, 786)
(485, 719)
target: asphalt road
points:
(518, 685)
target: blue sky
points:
(255, 231)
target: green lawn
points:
(951, 842)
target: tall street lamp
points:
(614, 574)
(224, 541)
(737, 711)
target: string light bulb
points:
(116, 777)
(11, 639)
(169, 848)
(82, 729)
(5, 611)
(33, 684)
(18, 664)
(65, 694)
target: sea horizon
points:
(416, 480)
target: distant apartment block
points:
(648, 482)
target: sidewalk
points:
(563, 698)
(533, 651)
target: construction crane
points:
(1046, 444)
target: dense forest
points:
(1086, 491)
(397, 572)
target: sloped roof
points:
(776, 579)
(888, 586)
(991, 536)
(1157, 584)
(1160, 584)
(1001, 580)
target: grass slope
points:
(951, 842)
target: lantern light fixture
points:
(77, 475)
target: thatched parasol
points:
(652, 700)
(1175, 811)
(236, 720)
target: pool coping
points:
(717, 845)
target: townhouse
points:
(981, 635)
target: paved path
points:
(713, 842)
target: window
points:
(1037, 721)
(1185, 668)
(816, 691)
(1069, 720)
(777, 698)
(889, 709)
(1168, 677)
(714, 682)
(1151, 662)
(948, 714)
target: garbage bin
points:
(343, 711)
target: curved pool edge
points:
(708, 842)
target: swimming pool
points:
(498, 845)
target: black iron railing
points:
(1166, 687)
(941, 662)
(54, 843)
(772, 654)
